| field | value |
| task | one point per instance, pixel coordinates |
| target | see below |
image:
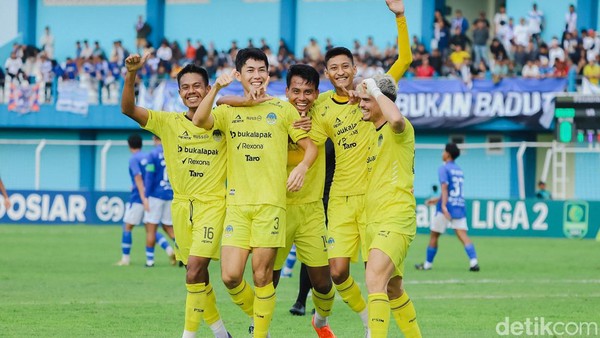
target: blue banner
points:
(451, 104)
(64, 207)
(514, 218)
(435, 103)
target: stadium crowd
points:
(460, 49)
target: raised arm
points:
(404, 54)
(139, 114)
(296, 178)
(203, 117)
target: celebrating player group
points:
(248, 178)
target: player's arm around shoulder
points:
(139, 114)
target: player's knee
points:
(262, 277)
(323, 286)
(231, 280)
(375, 283)
(339, 275)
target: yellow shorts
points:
(198, 227)
(346, 227)
(392, 238)
(254, 226)
(306, 228)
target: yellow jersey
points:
(257, 139)
(390, 166)
(314, 181)
(343, 124)
(195, 158)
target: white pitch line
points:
(504, 281)
(507, 296)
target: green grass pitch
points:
(60, 281)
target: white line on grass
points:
(507, 296)
(505, 281)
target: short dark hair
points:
(134, 141)
(541, 182)
(192, 68)
(335, 51)
(245, 54)
(452, 149)
(306, 72)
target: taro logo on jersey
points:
(271, 118)
(217, 135)
(380, 140)
(185, 135)
(228, 230)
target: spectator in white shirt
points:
(522, 33)
(86, 51)
(530, 70)
(13, 67)
(500, 19)
(47, 43)
(571, 19)
(536, 21)
(555, 52)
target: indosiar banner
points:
(64, 207)
(523, 218)
(516, 218)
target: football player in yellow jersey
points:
(196, 162)
(343, 123)
(390, 207)
(257, 143)
(305, 211)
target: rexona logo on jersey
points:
(185, 135)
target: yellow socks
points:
(211, 314)
(323, 302)
(350, 293)
(379, 315)
(243, 296)
(194, 305)
(405, 315)
(264, 306)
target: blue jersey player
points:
(160, 196)
(134, 211)
(450, 209)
